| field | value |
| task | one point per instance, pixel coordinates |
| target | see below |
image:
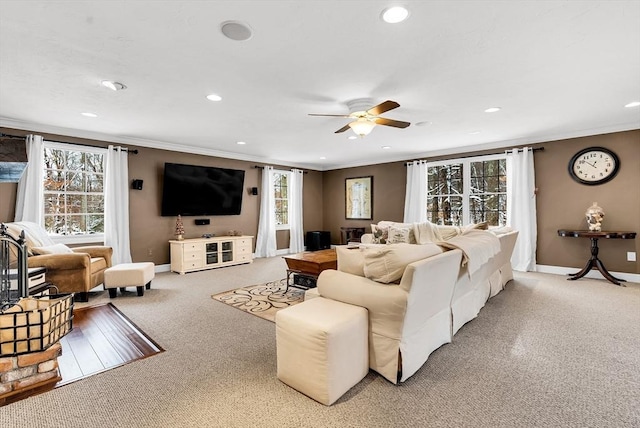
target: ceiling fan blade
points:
(391, 122)
(381, 108)
(329, 115)
(344, 128)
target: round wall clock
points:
(594, 165)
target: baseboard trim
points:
(278, 253)
(595, 274)
(162, 268)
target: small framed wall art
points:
(359, 198)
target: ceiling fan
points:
(366, 120)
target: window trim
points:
(93, 238)
(466, 177)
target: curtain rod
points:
(22, 137)
(260, 167)
(535, 149)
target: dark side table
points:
(594, 261)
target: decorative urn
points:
(595, 215)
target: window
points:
(467, 191)
(73, 190)
(281, 194)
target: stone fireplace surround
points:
(28, 374)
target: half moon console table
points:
(594, 261)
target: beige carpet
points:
(262, 300)
(545, 352)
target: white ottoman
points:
(322, 347)
(125, 275)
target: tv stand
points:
(190, 255)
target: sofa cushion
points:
(398, 235)
(35, 235)
(381, 232)
(350, 260)
(387, 263)
(98, 264)
(52, 249)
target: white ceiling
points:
(558, 69)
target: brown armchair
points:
(72, 272)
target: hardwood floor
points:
(102, 338)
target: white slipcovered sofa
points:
(443, 286)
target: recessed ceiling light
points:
(114, 86)
(87, 114)
(395, 14)
(323, 157)
(241, 143)
(352, 137)
(214, 97)
(386, 147)
(474, 132)
(633, 104)
(492, 109)
(423, 123)
(236, 30)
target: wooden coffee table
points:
(310, 263)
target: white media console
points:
(190, 255)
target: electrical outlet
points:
(150, 253)
(631, 256)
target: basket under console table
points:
(190, 255)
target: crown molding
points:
(452, 151)
(141, 142)
(495, 145)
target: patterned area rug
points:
(262, 300)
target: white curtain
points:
(30, 199)
(116, 205)
(521, 207)
(415, 200)
(296, 239)
(266, 240)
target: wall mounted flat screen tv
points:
(191, 190)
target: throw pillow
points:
(52, 249)
(380, 235)
(350, 260)
(398, 235)
(387, 263)
(389, 224)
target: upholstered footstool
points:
(322, 347)
(125, 275)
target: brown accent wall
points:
(150, 232)
(561, 202)
(7, 201)
(389, 182)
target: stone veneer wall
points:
(28, 371)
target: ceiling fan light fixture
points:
(362, 126)
(114, 86)
(395, 14)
